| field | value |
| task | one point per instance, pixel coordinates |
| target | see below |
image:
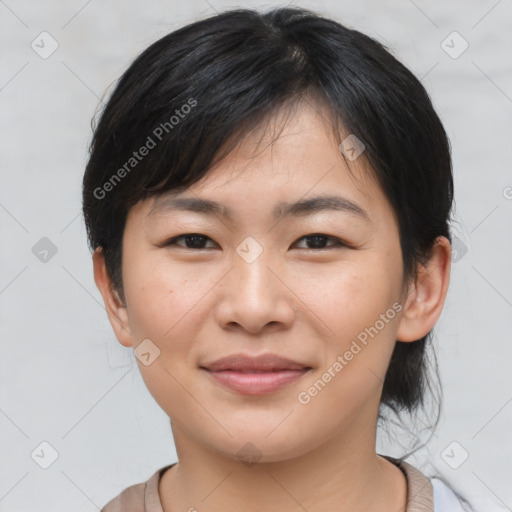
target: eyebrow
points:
(300, 208)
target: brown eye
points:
(318, 241)
(192, 241)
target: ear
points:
(116, 310)
(426, 296)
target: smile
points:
(251, 375)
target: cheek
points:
(165, 307)
(356, 304)
(348, 297)
(164, 300)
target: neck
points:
(343, 474)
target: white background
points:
(64, 377)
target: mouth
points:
(259, 375)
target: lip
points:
(258, 375)
(246, 363)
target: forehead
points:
(290, 166)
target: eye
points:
(318, 241)
(192, 241)
(197, 241)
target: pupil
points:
(197, 243)
(316, 239)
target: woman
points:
(268, 199)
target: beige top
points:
(144, 497)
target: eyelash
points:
(339, 243)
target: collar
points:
(420, 493)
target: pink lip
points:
(257, 383)
(255, 375)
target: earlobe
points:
(427, 295)
(116, 309)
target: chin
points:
(261, 443)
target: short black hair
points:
(191, 96)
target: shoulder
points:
(129, 500)
(428, 494)
(141, 497)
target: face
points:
(318, 284)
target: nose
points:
(255, 297)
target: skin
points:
(297, 300)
